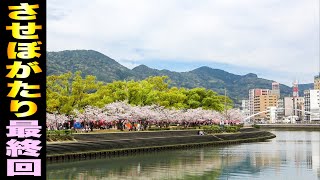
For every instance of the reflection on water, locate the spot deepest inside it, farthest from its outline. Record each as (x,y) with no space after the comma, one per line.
(291,155)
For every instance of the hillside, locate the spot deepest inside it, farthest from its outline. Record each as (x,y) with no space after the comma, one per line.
(89,62)
(106,69)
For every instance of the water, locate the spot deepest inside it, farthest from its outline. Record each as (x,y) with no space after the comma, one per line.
(291,155)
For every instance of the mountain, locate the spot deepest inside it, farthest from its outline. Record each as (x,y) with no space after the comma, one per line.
(89,62)
(106,69)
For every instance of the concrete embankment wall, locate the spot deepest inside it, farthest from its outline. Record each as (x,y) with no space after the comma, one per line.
(291,126)
(102,145)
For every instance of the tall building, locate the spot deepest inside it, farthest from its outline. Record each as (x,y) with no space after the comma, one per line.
(280,109)
(272,115)
(312,105)
(254,93)
(263,103)
(288,106)
(275,89)
(317,82)
(294,106)
(245,105)
(299,108)
(245,110)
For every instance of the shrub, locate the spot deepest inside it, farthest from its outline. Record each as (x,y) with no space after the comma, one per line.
(256,126)
(158,129)
(182,128)
(231,128)
(59,135)
(211,129)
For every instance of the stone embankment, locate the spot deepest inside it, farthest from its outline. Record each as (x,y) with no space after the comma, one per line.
(88,146)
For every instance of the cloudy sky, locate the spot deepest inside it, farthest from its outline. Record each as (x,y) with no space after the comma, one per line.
(276,39)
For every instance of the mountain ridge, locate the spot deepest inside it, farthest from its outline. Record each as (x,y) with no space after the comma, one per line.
(107,69)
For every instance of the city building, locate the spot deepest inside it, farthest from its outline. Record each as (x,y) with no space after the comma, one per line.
(280,110)
(245,110)
(272,115)
(262,103)
(275,89)
(245,105)
(254,93)
(261,100)
(288,106)
(294,106)
(312,105)
(317,82)
(299,108)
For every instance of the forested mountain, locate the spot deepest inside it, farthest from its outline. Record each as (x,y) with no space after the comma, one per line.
(106,69)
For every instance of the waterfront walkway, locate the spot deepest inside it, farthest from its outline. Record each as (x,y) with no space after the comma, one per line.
(113,142)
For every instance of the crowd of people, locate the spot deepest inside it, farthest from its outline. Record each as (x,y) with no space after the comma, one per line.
(124,124)
(122,116)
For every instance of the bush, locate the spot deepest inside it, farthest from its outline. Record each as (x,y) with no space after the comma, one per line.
(231,128)
(59,135)
(211,129)
(158,129)
(182,128)
(218,129)
(256,126)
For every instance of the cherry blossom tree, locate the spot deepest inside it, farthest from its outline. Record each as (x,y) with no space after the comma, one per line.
(120,113)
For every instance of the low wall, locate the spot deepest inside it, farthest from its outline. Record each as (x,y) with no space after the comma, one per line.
(291,126)
(142,142)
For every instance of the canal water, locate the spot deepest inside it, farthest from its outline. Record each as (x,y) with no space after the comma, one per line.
(291,155)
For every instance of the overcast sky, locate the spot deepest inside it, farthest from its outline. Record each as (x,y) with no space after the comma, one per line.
(276,39)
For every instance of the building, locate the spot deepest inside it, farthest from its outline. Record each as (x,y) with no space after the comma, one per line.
(245,105)
(262,103)
(254,93)
(312,105)
(294,106)
(280,109)
(317,82)
(288,106)
(272,115)
(245,110)
(275,89)
(299,108)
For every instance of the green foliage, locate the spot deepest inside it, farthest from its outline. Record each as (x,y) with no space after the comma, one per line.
(67,92)
(211,129)
(217,129)
(256,126)
(182,128)
(157,129)
(59,135)
(231,129)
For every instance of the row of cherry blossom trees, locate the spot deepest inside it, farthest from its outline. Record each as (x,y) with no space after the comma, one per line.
(121,112)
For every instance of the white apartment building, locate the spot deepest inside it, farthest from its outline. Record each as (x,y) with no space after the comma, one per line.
(245,110)
(312,104)
(294,106)
(272,115)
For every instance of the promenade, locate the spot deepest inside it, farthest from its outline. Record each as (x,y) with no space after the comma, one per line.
(89,146)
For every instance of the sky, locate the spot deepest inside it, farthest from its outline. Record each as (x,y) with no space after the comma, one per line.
(275,39)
